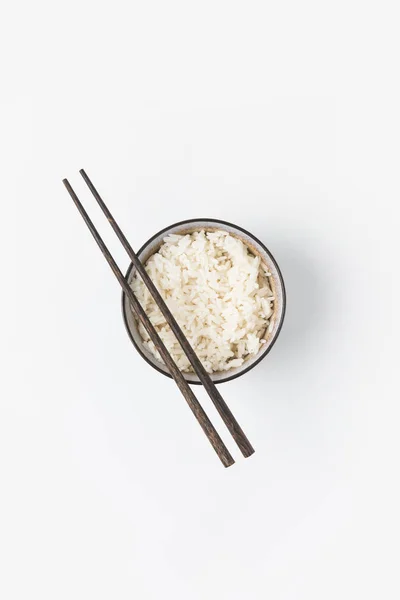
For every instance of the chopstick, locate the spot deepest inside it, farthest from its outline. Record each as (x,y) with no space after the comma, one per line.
(208,428)
(233,426)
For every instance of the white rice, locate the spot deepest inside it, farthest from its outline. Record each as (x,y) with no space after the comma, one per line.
(217,291)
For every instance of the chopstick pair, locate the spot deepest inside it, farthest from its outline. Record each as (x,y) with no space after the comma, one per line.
(220,404)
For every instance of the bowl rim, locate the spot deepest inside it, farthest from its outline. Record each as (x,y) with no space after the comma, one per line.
(250,235)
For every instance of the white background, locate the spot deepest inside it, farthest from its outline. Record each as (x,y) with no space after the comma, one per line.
(281,117)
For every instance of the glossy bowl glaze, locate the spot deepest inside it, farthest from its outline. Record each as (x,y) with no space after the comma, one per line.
(257,248)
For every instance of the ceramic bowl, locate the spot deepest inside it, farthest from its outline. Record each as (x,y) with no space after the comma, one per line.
(257,248)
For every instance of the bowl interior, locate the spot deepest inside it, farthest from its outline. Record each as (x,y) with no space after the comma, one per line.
(257,248)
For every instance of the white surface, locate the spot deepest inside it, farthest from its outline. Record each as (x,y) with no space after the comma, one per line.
(282,118)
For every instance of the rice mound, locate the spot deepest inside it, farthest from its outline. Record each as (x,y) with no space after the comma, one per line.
(217,291)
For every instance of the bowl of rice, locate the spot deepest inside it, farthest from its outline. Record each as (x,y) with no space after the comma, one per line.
(224,288)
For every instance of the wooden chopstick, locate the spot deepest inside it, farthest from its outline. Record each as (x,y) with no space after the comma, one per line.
(181,382)
(220,404)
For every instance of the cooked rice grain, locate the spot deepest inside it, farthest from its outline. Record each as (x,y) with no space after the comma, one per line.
(219,293)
